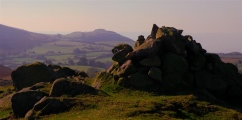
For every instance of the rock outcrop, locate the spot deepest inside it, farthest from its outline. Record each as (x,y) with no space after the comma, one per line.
(28,75)
(65,86)
(172,62)
(40,90)
(23,101)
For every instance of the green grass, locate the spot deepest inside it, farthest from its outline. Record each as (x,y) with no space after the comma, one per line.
(62,50)
(136,105)
(125,104)
(4,88)
(5,106)
(5,113)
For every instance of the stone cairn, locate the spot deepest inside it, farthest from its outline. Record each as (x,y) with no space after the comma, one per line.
(168,60)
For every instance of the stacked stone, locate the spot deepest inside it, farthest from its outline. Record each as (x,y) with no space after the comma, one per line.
(171,60)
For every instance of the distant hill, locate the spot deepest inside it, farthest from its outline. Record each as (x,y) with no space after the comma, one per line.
(98,35)
(234,53)
(5,72)
(14,40)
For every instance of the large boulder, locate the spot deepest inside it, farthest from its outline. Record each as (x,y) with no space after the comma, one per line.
(172,39)
(50,105)
(126,69)
(173,63)
(140,41)
(210,82)
(156,74)
(62,71)
(41,86)
(154,31)
(173,67)
(23,101)
(149,48)
(153,61)
(140,81)
(137,80)
(120,51)
(28,75)
(196,61)
(228,73)
(69,87)
(235,92)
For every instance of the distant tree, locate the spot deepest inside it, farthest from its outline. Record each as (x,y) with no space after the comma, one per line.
(92,63)
(48,61)
(76,51)
(71,62)
(59,63)
(82,61)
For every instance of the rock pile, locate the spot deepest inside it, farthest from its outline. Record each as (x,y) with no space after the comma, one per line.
(40,89)
(168,60)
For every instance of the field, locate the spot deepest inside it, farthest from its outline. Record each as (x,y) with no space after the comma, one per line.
(60,52)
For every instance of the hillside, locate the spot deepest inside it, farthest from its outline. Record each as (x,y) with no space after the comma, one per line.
(98,35)
(14,40)
(5,72)
(58,49)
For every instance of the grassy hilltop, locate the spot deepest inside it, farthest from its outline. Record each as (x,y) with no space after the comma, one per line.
(132,88)
(131,104)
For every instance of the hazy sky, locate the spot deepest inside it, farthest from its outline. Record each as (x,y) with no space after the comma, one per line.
(216,24)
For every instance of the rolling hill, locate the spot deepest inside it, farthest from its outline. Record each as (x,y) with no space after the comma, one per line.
(57,48)
(14,40)
(5,73)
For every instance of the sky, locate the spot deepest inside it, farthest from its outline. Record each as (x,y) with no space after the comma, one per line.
(216,24)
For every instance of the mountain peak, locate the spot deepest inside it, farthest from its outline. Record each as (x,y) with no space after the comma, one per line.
(99,30)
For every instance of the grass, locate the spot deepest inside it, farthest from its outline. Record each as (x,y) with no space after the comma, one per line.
(128,104)
(5,106)
(136,105)
(4,88)
(62,51)
(5,113)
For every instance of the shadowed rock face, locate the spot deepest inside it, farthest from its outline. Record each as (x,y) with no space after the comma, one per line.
(28,75)
(172,61)
(69,87)
(38,99)
(23,101)
(120,51)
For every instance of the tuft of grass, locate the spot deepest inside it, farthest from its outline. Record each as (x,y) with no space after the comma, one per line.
(5,113)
